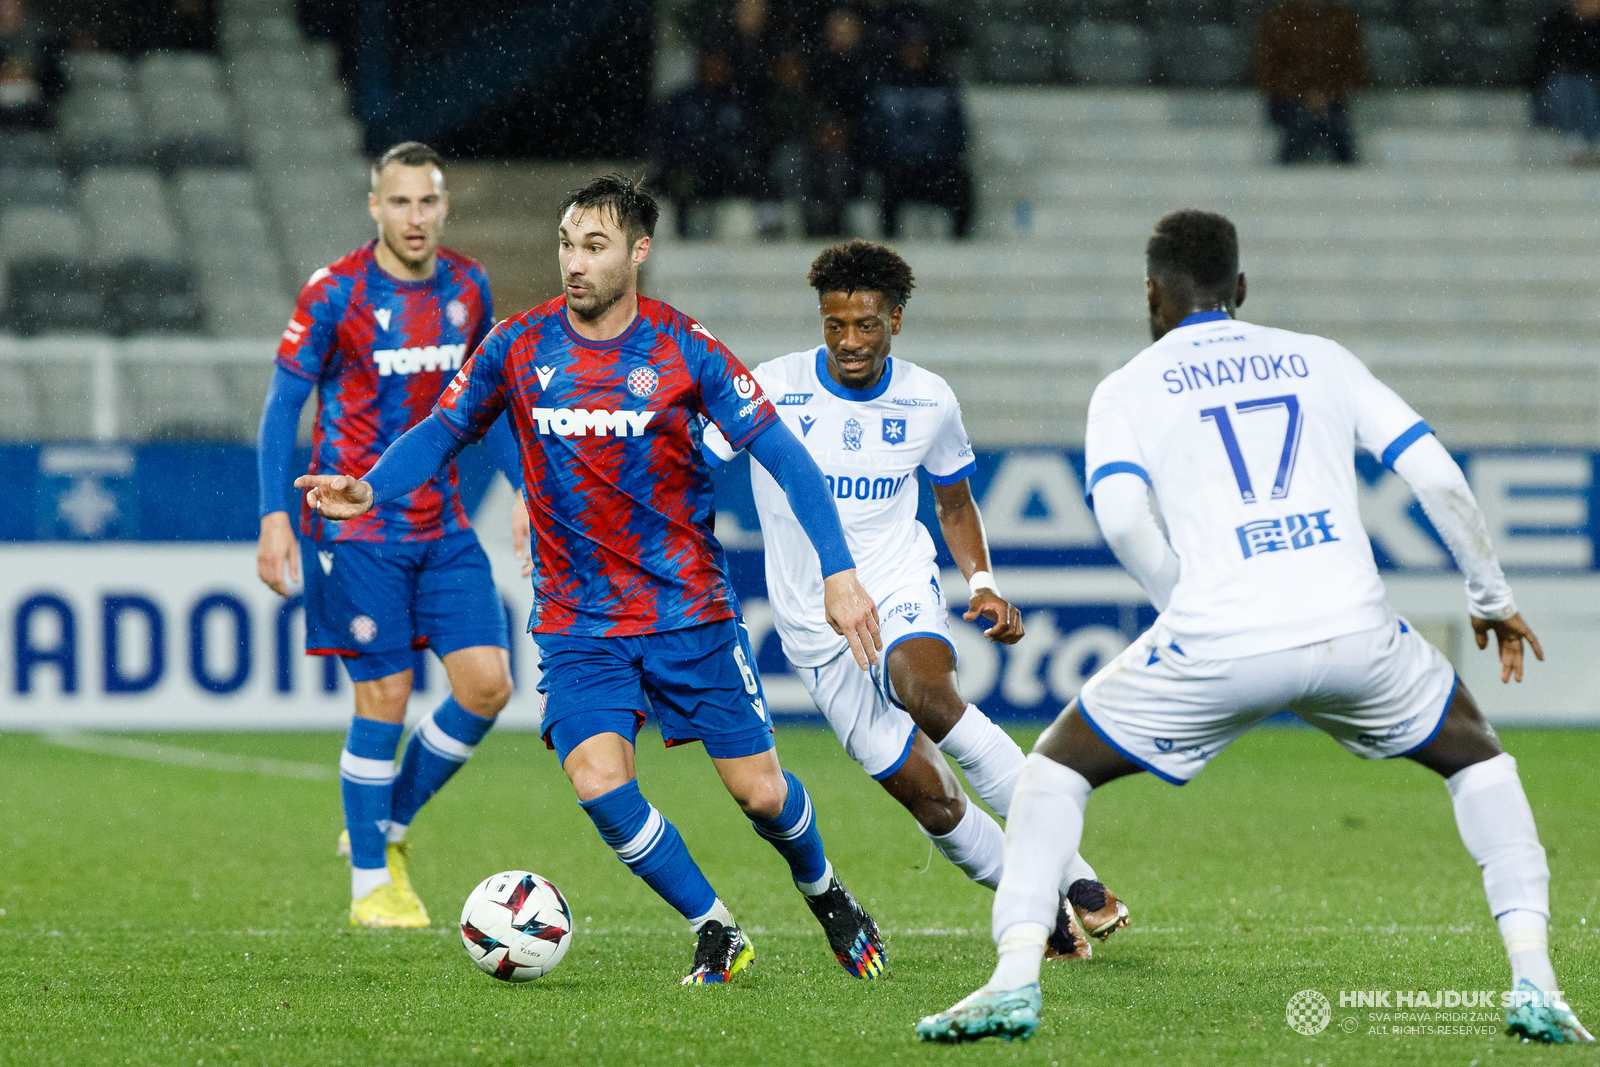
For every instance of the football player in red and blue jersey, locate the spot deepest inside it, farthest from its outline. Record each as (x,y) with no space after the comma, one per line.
(633,609)
(378,335)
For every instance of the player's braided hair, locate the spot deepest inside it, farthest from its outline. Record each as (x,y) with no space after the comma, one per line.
(407,154)
(634,209)
(864,266)
(1199,249)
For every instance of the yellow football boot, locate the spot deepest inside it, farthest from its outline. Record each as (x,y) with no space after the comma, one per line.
(394,857)
(389,906)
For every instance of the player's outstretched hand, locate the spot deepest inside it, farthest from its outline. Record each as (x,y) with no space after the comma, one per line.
(520,534)
(1007,628)
(1509,635)
(336,496)
(276,550)
(852,613)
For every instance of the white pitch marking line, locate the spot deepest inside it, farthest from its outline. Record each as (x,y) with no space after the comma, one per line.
(189,757)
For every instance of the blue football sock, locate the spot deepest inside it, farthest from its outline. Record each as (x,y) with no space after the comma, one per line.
(439,745)
(652,849)
(366,779)
(794,834)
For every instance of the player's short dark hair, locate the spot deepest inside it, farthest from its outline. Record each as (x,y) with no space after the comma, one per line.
(862,266)
(1199,249)
(407,154)
(634,209)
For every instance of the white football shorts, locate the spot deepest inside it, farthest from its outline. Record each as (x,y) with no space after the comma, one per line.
(871,724)
(1379,693)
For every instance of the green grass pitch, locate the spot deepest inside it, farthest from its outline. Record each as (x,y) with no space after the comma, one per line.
(159,914)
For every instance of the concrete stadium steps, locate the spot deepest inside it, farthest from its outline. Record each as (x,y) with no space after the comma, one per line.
(990,106)
(1032,292)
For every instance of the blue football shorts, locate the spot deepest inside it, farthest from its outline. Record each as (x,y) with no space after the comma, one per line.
(701,684)
(374,602)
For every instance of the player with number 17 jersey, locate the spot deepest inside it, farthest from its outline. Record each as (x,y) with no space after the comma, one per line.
(619,496)
(1245,430)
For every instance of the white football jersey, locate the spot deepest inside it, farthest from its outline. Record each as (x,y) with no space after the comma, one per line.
(1247,436)
(869,444)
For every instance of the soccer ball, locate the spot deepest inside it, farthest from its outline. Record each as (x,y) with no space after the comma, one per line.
(516,926)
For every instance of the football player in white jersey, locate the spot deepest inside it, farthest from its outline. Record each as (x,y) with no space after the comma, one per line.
(870,422)
(1269,599)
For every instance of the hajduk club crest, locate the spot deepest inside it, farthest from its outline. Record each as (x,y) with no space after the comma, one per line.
(642,382)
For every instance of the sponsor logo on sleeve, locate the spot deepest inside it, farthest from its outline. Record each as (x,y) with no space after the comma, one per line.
(294,334)
(452,392)
(745,386)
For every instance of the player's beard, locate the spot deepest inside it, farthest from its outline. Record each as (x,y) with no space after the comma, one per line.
(601,297)
(404,254)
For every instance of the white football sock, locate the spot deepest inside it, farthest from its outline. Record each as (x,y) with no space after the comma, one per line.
(1527,938)
(364,880)
(1042,836)
(977,845)
(987,756)
(1077,870)
(719,911)
(397,832)
(1021,954)
(1496,825)
(811,889)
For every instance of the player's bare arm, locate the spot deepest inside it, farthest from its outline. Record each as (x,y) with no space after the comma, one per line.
(962,526)
(278,553)
(336,496)
(852,614)
(1509,635)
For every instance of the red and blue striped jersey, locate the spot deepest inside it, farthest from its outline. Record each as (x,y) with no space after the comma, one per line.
(619,495)
(381,350)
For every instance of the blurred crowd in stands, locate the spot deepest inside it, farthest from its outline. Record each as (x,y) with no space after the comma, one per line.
(35,33)
(817,104)
(1310,55)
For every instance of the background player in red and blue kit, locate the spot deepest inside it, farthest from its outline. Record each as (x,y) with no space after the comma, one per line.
(633,608)
(378,334)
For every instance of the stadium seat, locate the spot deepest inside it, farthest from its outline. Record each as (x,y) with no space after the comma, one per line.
(50,284)
(39,186)
(176,401)
(60,397)
(97,71)
(1392,56)
(1186,12)
(188,115)
(233,253)
(1505,54)
(1109,53)
(1206,56)
(1017,53)
(101,127)
(138,252)
(29,148)
(19,414)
